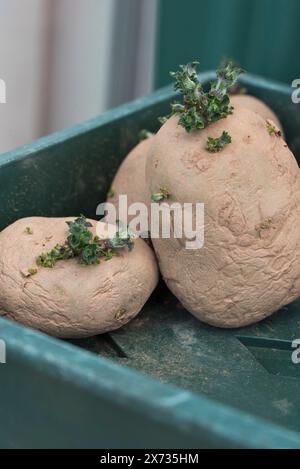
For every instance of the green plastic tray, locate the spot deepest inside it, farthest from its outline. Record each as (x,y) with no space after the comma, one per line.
(164,380)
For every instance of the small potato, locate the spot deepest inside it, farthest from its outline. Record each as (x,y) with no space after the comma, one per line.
(70,300)
(256,105)
(130,178)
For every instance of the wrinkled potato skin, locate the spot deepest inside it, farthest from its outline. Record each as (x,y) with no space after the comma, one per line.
(255,105)
(70,300)
(239,277)
(130,178)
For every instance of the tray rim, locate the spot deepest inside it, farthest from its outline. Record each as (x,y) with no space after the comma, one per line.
(191,413)
(160,95)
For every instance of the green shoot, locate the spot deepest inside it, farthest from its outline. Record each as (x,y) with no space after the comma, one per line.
(28,230)
(111,193)
(32,271)
(265,225)
(163,119)
(214,145)
(145,134)
(273,131)
(161,195)
(200,108)
(122,238)
(83,245)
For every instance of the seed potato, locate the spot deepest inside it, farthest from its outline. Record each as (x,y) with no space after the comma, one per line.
(250,263)
(70,300)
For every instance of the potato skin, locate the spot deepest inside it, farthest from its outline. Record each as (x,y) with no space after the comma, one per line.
(241,275)
(130,178)
(71,300)
(255,105)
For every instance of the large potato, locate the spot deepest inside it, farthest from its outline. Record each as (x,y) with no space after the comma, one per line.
(250,263)
(256,105)
(71,299)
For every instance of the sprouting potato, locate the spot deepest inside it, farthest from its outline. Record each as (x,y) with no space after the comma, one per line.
(240,167)
(70,299)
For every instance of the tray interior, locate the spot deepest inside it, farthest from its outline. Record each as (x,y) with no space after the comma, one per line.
(70,173)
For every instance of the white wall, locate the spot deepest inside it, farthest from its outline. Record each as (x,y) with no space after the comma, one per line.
(133,49)
(64,61)
(82,33)
(23,27)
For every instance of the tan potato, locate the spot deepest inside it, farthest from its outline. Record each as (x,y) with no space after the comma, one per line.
(256,105)
(130,178)
(250,263)
(70,300)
